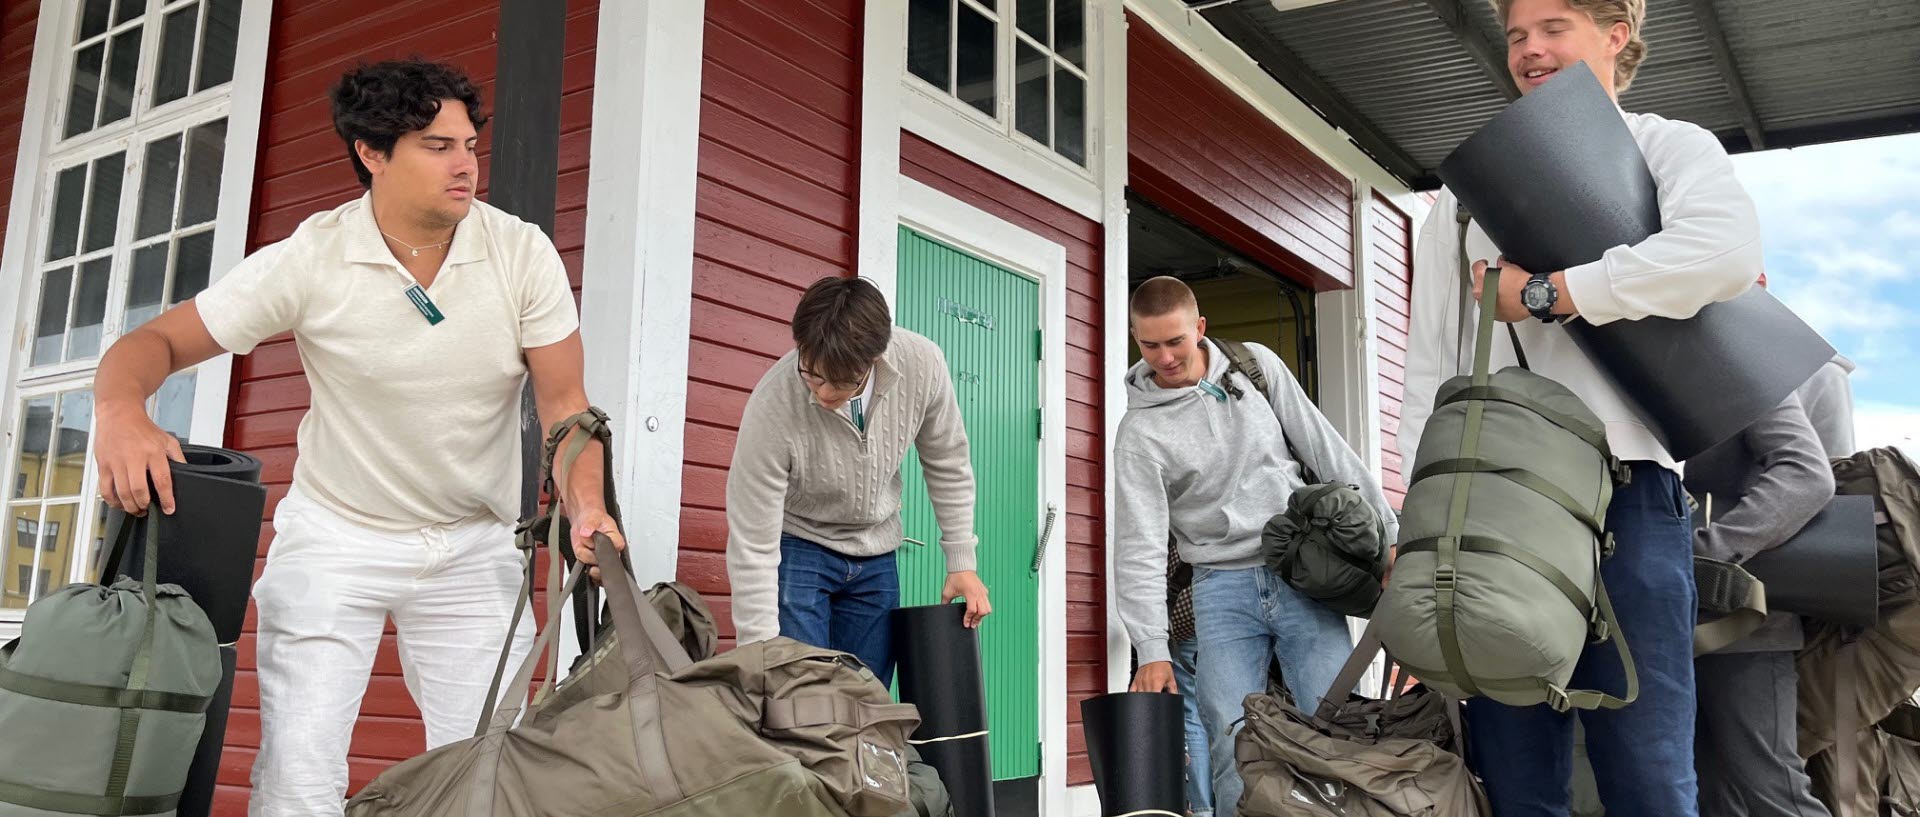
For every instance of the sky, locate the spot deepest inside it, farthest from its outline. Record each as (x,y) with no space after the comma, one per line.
(1841,226)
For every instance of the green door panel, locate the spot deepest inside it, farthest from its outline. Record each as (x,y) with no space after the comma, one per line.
(987,321)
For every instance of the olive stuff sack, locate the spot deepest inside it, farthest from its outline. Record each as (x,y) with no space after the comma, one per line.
(1329,543)
(1496,589)
(1331,546)
(774,727)
(1851,677)
(104,695)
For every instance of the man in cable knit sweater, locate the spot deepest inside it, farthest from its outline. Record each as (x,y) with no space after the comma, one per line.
(813,496)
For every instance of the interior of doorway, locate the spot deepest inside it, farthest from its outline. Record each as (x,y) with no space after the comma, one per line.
(1240,298)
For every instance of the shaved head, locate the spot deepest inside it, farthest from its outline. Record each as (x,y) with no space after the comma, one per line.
(1163,295)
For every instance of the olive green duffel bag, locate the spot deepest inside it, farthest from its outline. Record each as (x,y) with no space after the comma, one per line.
(104,695)
(1496,589)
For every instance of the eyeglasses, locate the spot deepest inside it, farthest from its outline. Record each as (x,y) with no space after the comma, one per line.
(816,381)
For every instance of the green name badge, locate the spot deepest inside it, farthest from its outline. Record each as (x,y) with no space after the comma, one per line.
(425,304)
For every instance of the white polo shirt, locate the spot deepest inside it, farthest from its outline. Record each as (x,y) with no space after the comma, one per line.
(411,424)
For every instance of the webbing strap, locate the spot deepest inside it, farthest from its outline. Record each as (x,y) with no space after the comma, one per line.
(1448,551)
(40,799)
(1730,590)
(1590,435)
(1485,544)
(1467,463)
(68,692)
(819,710)
(129,732)
(1594,699)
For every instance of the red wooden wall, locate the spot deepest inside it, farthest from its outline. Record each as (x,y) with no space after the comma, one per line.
(1392,259)
(302,169)
(936,167)
(774,212)
(18,19)
(1198,149)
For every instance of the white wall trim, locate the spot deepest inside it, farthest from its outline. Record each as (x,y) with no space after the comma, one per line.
(883,63)
(977,232)
(1192,34)
(637,281)
(1083,801)
(1111,19)
(16,258)
(213,379)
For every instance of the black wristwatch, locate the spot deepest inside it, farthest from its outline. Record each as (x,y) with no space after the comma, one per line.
(1539,295)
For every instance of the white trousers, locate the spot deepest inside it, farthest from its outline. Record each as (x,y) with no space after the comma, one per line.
(323,601)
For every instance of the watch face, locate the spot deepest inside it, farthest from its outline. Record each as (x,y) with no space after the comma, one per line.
(1535,295)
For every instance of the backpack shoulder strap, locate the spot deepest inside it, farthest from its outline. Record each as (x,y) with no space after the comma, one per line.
(1240,359)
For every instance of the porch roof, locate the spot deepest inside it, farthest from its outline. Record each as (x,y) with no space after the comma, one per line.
(1409,79)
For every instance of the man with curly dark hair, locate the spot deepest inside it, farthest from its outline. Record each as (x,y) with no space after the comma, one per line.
(418,312)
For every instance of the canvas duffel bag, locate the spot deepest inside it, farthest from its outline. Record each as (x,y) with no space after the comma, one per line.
(104,695)
(1496,588)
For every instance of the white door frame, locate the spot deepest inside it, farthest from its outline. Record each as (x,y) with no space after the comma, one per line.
(992,239)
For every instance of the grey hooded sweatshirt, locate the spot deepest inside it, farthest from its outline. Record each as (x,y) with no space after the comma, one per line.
(1211,469)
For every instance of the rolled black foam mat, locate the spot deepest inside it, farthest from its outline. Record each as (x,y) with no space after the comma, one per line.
(1556,180)
(939,671)
(196,800)
(210,539)
(1135,743)
(1830,570)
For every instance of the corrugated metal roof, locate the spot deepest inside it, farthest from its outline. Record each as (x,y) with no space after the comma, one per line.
(1407,89)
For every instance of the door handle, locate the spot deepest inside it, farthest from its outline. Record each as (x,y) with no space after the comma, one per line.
(1040,549)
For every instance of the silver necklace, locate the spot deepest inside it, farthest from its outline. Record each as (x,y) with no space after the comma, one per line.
(416,250)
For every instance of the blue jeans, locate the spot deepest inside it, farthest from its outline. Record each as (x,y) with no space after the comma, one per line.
(1245,619)
(1199,776)
(840,602)
(1642,754)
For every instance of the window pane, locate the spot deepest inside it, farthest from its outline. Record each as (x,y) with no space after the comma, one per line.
(1030,93)
(130,9)
(976,58)
(176,55)
(1070,30)
(1069,115)
(21,548)
(53,317)
(70,192)
(103,207)
(173,404)
(70,447)
(216,46)
(85,90)
(161,175)
(930,41)
(148,285)
(56,542)
(30,470)
(93,21)
(200,190)
(191,265)
(1032,15)
(121,68)
(89,309)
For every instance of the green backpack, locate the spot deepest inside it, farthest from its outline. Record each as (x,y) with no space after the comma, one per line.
(1496,590)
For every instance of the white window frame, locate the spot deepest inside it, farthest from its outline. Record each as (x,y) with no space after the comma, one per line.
(993,142)
(42,148)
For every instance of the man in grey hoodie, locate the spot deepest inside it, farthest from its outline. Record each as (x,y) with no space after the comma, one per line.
(1202,456)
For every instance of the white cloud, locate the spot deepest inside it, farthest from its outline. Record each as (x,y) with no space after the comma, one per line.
(1878,424)
(1901,224)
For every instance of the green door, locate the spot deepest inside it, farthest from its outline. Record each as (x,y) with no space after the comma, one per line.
(987,321)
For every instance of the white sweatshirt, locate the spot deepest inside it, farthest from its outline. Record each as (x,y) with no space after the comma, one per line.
(1707,250)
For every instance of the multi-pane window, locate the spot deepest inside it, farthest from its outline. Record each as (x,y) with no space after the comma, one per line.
(125,229)
(1022,63)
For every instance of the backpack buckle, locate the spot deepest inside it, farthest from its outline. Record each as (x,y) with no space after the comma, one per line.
(1622,472)
(1607,546)
(1557,699)
(1598,629)
(1444,578)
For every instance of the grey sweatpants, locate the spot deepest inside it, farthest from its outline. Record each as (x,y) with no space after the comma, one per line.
(1744,740)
